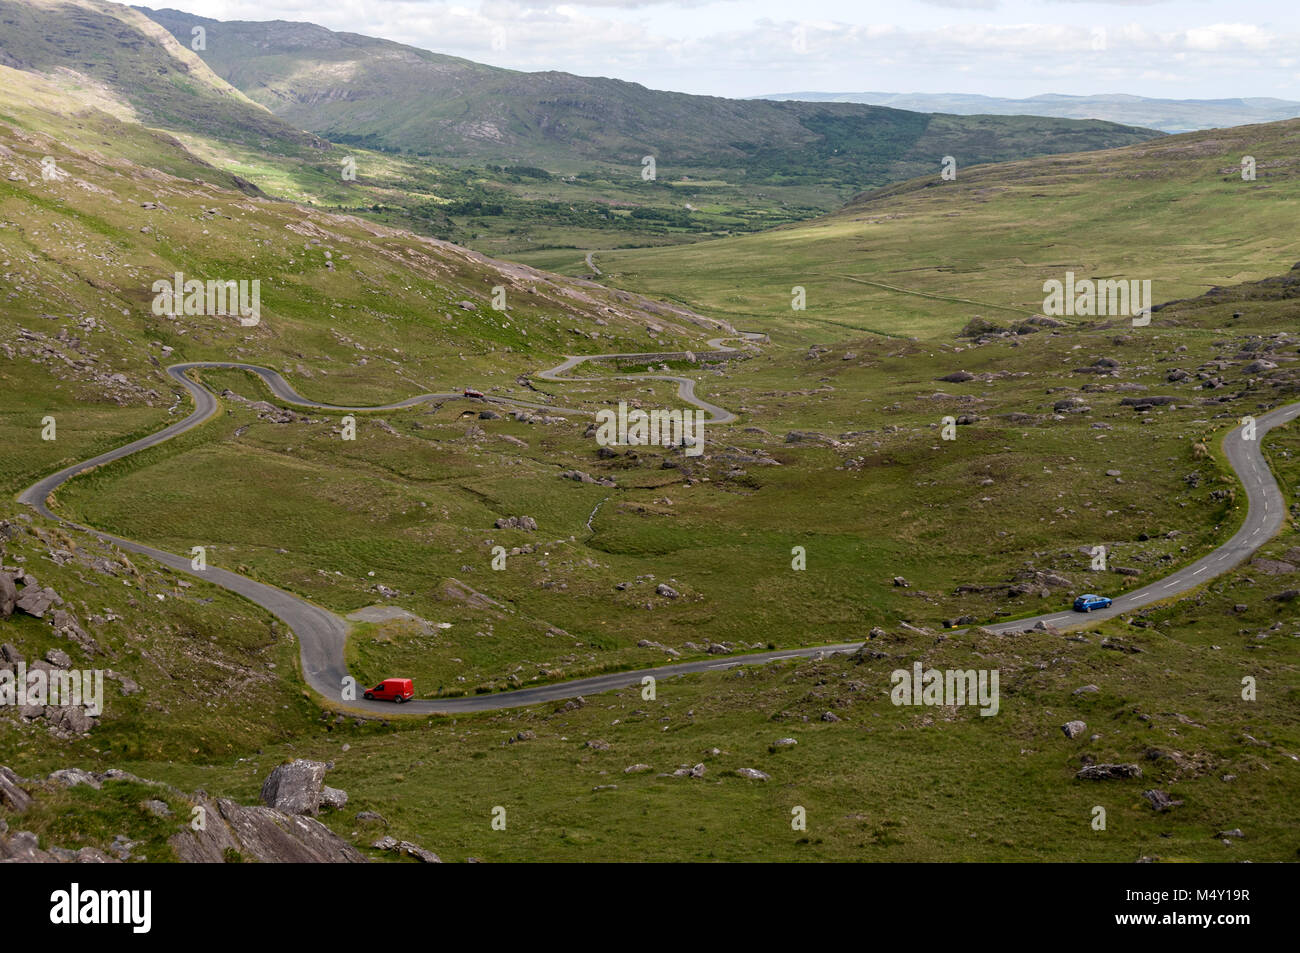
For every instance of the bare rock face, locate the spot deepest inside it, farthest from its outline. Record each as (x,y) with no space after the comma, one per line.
(12,794)
(295,788)
(35,601)
(23,848)
(8,595)
(234,832)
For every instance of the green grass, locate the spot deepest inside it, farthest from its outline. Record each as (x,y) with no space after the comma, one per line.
(413,500)
(922,258)
(417,508)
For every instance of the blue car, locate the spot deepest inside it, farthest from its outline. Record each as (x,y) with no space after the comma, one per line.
(1087,603)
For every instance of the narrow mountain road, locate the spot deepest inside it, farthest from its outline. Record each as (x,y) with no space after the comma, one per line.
(322,634)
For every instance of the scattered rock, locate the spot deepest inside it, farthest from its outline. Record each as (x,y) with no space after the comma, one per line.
(71,777)
(333,798)
(407,849)
(1108,772)
(1160,800)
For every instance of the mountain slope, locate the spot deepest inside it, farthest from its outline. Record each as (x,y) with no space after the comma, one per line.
(139,68)
(387,312)
(386,95)
(924,256)
(1167,115)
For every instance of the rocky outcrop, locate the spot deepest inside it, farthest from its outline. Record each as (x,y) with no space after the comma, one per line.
(333,798)
(1073,729)
(234,832)
(1160,800)
(407,849)
(581,477)
(296,787)
(1108,772)
(36,601)
(8,595)
(12,794)
(210,830)
(24,848)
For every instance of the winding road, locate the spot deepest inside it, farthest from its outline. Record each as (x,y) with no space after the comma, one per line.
(322,634)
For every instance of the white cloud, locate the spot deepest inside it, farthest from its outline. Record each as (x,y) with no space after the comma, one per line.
(749,47)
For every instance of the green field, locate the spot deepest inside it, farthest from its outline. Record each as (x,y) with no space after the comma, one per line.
(840,448)
(921,258)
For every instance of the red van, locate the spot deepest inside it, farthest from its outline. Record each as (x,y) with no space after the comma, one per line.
(477,394)
(392,689)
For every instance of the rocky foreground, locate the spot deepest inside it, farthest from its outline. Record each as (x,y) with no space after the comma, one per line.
(283,829)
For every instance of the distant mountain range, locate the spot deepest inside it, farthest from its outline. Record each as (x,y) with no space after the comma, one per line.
(1167,115)
(378,94)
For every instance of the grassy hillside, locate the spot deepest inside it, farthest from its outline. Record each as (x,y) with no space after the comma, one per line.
(415,507)
(380,94)
(549,161)
(921,258)
(88,43)
(371,309)
(838,449)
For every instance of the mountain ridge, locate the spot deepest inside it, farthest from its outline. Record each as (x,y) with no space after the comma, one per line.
(1167,115)
(381,94)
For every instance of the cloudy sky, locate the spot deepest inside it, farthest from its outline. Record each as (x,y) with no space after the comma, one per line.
(1185,49)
